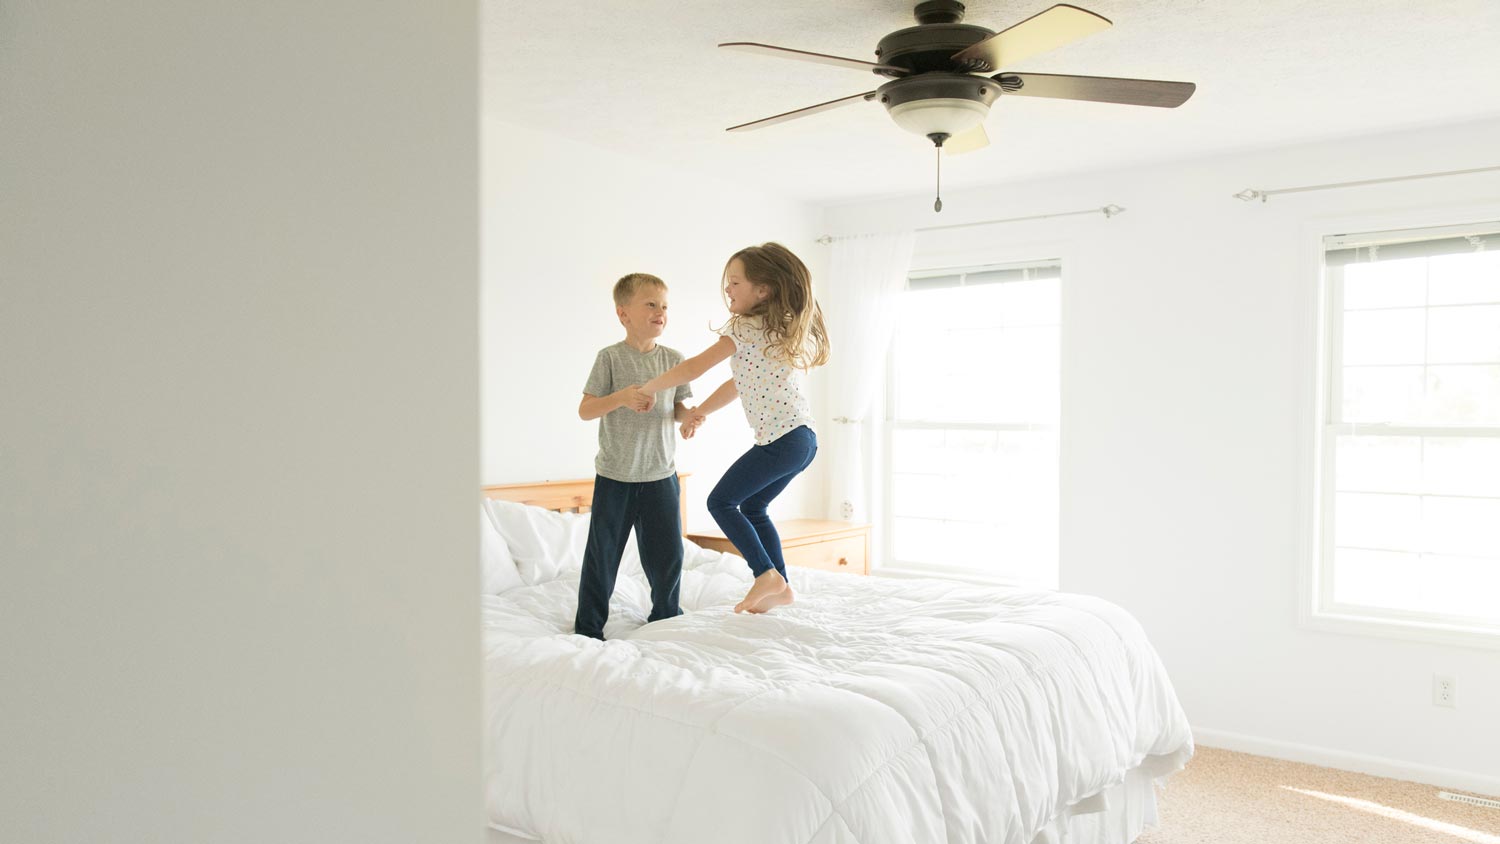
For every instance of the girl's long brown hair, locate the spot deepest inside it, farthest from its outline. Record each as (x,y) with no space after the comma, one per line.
(791,316)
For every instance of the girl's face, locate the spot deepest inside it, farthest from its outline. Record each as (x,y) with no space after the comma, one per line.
(744,295)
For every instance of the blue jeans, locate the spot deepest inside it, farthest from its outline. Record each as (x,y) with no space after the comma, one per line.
(650,508)
(738,502)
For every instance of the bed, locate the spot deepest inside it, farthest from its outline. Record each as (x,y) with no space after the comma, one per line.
(872,710)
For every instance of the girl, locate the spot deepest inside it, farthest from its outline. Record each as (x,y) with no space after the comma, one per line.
(775,334)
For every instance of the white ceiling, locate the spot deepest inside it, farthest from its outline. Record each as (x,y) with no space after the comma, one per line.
(644,77)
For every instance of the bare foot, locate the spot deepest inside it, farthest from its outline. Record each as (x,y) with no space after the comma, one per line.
(778,599)
(766,585)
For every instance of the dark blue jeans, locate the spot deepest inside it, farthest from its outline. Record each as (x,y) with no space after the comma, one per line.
(651,508)
(738,502)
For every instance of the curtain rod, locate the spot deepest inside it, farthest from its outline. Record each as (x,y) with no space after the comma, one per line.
(1108,211)
(1251,194)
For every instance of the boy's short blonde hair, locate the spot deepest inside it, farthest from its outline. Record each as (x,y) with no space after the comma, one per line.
(626,287)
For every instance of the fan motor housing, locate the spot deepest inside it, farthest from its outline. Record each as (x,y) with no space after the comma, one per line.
(930,86)
(930,47)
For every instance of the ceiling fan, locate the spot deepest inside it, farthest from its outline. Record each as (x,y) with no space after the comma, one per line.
(940,85)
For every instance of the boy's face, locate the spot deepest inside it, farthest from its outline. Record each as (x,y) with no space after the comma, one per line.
(646,313)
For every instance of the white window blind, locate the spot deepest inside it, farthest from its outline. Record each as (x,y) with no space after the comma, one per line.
(971,424)
(1409,468)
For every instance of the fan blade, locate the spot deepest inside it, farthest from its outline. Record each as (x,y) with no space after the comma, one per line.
(1059,25)
(1099,89)
(819,58)
(969,141)
(801,112)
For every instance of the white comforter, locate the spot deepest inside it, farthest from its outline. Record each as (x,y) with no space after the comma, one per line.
(871,710)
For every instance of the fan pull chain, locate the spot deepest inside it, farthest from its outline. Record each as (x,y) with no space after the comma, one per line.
(937,204)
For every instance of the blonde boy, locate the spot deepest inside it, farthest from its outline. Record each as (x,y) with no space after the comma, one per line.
(636,484)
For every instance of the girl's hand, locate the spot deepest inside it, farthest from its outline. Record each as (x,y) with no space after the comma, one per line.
(690,425)
(633,398)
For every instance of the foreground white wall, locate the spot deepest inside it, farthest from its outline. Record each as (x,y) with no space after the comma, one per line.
(1185,423)
(562,221)
(238,422)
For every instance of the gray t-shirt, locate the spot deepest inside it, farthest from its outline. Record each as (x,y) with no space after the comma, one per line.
(635,447)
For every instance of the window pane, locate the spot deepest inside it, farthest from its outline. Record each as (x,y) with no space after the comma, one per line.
(954,362)
(1024,376)
(1386,284)
(1379,464)
(919,495)
(1030,302)
(1464,526)
(1384,337)
(1383,394)
(999,478)
(1450,586)
(1024,483)
(1463,395)
(1461,466)
(1464,335)
(1389,522)
(918,539)
(1462,586)
(1460,279)
(915,450)
(1376,578)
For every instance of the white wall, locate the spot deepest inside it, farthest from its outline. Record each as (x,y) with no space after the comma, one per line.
(238,429)
(1186,418)
(563,221)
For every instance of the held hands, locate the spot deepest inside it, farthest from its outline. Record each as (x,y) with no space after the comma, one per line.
(690,425)
(637,400)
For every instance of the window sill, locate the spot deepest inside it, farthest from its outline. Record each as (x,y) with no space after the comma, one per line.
(1351,622)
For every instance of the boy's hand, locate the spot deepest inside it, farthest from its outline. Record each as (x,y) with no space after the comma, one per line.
(691,423)
(631,397)
(640,401)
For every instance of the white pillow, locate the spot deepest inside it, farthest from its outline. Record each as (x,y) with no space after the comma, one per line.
(544,543)
(497,568)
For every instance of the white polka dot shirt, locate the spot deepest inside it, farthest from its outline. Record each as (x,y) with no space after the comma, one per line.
(771,391)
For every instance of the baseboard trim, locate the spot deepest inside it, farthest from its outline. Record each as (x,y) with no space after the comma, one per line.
(1327,757)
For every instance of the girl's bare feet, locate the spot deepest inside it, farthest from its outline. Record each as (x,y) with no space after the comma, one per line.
(768,585)
(777,599)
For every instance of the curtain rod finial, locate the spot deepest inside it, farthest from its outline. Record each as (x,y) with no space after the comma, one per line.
(1251,194)
(1111,210)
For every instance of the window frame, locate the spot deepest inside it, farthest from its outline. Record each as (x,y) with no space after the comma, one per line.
(890,425)
(1324,340)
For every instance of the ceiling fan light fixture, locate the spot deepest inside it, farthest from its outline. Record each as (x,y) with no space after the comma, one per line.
(939,115)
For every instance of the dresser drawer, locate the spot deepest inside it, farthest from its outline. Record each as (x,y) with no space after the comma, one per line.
(846,554)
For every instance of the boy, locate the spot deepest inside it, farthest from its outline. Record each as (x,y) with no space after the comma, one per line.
(637,479)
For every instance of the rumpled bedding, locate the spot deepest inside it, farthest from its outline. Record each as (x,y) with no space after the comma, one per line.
(871,710)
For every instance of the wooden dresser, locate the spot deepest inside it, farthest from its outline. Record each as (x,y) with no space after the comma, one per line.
(831,546)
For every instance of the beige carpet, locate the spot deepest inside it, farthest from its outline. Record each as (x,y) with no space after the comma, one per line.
(1224,797)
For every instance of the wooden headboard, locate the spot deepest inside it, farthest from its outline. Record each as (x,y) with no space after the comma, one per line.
(576,496)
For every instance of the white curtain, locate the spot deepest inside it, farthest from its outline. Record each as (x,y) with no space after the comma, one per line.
(865,278)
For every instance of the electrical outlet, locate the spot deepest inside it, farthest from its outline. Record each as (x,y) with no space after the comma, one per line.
(1442,691)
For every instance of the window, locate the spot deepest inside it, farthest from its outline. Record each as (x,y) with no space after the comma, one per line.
(1408,527)
(971,424)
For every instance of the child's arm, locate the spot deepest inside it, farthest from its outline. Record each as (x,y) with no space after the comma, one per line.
(593,407)
(695,417)
(692,368)
(726,393)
